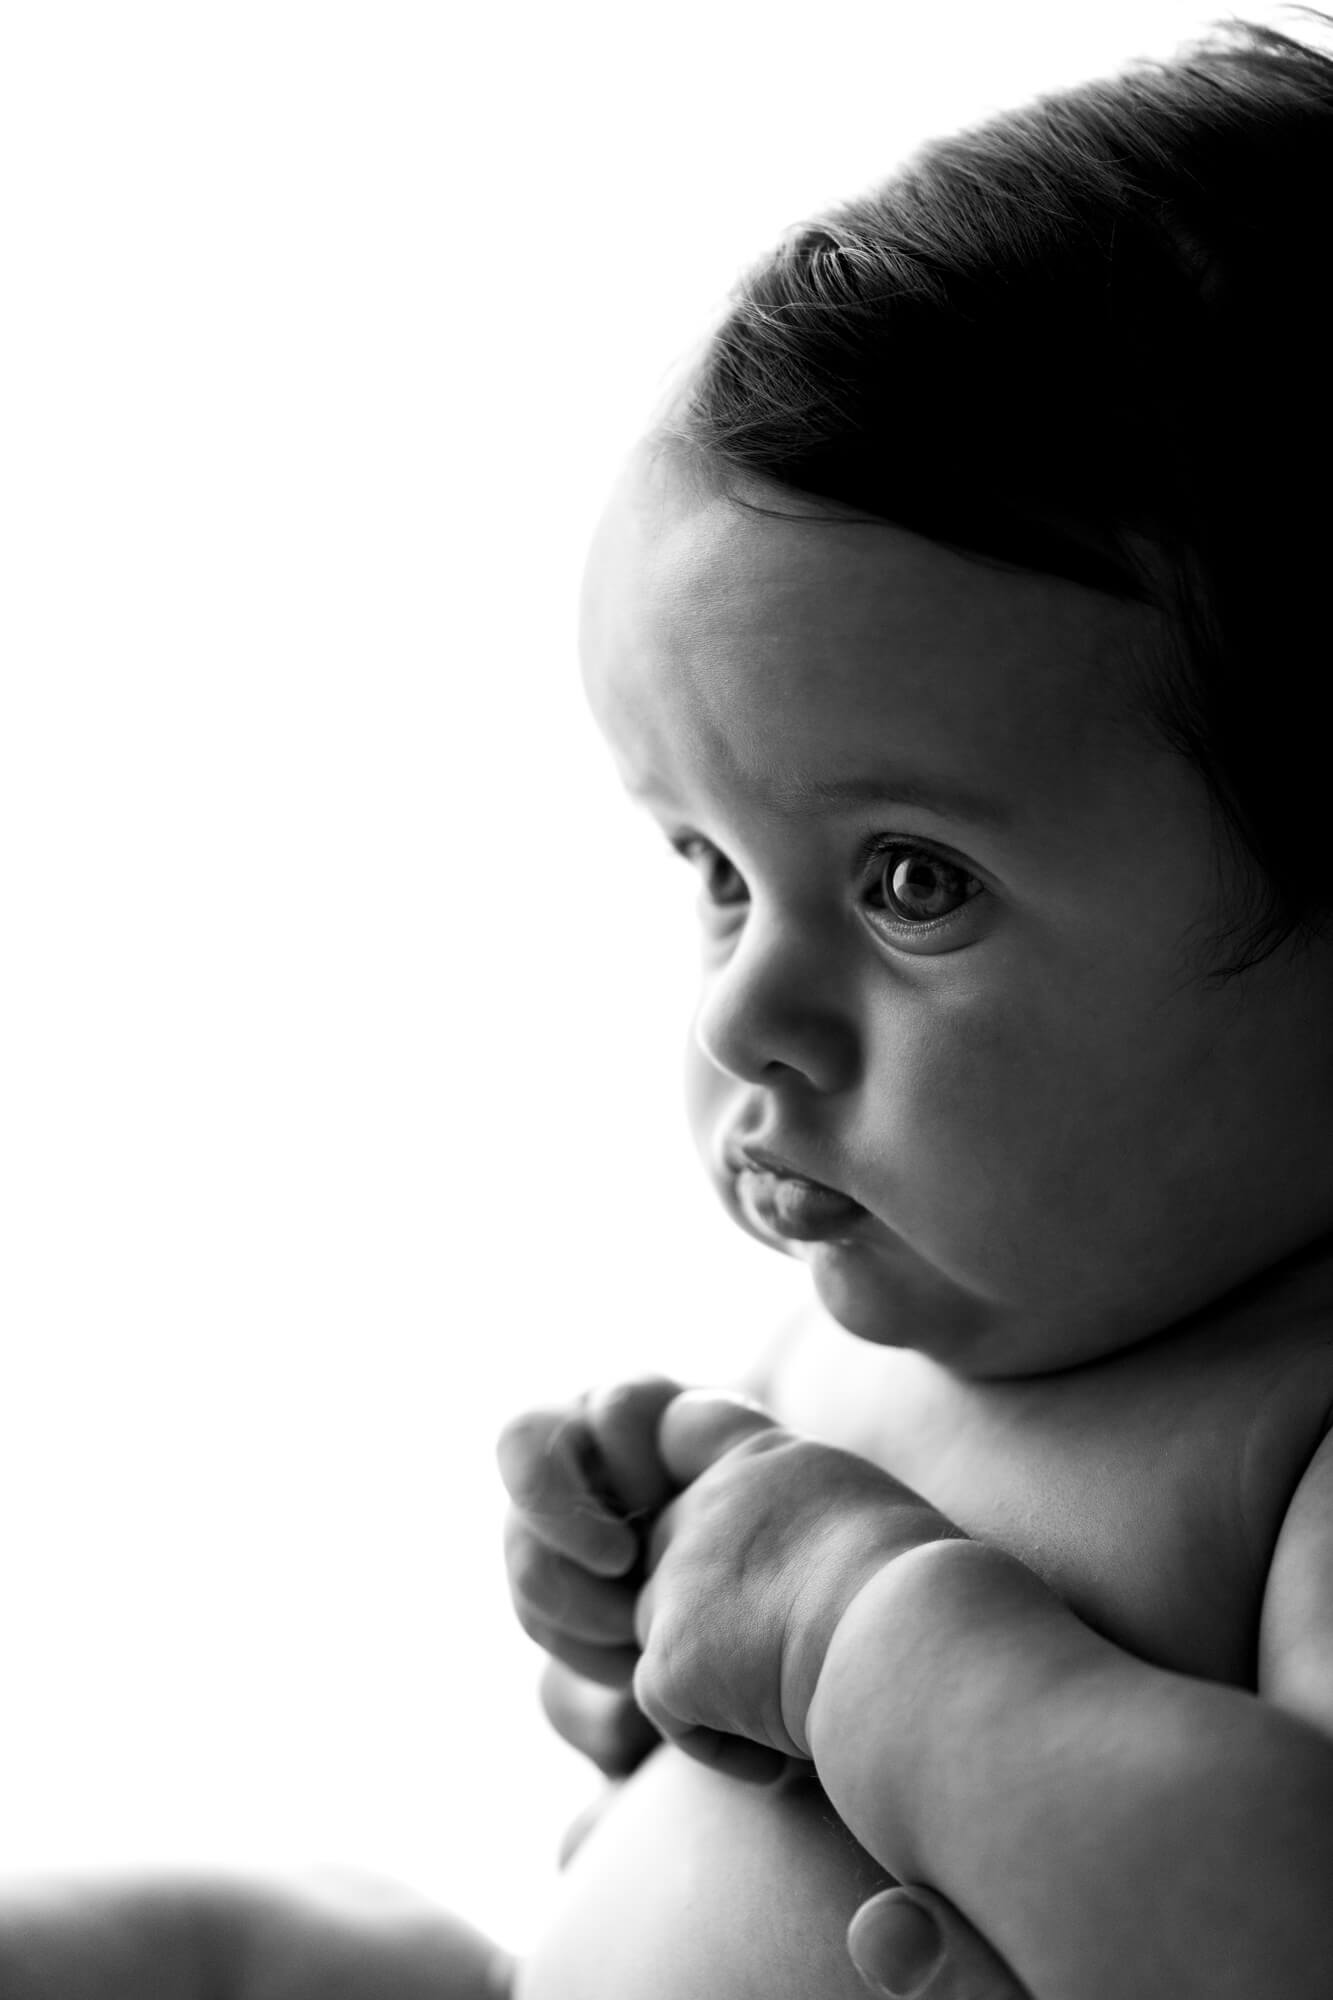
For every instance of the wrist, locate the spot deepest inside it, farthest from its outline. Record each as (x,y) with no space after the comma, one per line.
(861,1692)
(918,1672)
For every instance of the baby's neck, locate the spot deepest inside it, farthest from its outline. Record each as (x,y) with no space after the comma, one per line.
(1296,1289)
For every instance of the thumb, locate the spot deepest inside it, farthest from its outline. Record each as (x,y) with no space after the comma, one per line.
(913,1945)
(700,1424)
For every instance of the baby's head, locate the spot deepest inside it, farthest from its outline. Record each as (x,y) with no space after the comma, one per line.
(957,631)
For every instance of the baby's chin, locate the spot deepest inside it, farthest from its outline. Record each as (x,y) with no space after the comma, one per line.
(893,1300)
(897,1301)
(880,1290)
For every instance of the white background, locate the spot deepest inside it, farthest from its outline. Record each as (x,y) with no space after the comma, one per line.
(341,998)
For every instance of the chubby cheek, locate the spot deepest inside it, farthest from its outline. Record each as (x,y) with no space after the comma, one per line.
(981,1116)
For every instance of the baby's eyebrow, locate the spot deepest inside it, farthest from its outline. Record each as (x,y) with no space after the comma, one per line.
(796,795)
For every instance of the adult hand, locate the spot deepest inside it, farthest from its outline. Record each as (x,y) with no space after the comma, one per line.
(911,1944)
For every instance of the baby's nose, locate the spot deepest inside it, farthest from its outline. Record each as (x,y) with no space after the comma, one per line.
(774,1006)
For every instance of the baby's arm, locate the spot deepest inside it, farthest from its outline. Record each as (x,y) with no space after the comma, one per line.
(1114,1828)
(212,1940)
(571,1473)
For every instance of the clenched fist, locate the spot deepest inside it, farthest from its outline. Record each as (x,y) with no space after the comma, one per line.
(750,1569)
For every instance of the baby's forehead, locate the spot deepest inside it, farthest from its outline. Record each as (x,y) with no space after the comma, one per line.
(667,533)
(698,590)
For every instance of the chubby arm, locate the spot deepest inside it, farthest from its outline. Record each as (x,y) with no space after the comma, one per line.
(177,1939)
(1113,1828)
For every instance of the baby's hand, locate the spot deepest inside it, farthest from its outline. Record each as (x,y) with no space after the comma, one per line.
(750,1570)
(604,1724)
(585,1480)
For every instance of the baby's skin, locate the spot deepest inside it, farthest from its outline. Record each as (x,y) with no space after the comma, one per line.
(1148,1490)
(1020,1584)
(321,1936)
(1042,1498)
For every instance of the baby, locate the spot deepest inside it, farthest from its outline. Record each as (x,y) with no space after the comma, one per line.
(961,628)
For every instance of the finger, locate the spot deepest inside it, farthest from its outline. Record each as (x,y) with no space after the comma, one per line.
(623,1421)
(562,1593)
(701,1424)
(604,1724)
(543,1457)
(609,1666)
(913,1944)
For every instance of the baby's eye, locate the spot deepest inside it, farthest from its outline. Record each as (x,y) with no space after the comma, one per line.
(722,885)
(915,886)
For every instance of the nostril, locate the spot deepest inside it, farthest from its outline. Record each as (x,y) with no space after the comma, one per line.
(776,1007)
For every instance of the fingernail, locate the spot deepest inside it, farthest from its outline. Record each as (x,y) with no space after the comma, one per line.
(904,1948)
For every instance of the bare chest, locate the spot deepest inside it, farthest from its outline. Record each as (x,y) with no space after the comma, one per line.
(1147,1491)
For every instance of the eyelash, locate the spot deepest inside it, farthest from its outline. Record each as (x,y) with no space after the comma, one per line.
(875,852)
(692,847)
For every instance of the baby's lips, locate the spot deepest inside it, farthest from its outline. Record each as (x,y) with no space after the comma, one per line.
(785,1205)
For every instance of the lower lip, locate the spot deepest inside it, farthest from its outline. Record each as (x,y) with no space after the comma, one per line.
(800,1211)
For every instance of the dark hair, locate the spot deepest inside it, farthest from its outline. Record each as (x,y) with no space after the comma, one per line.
(1088,338)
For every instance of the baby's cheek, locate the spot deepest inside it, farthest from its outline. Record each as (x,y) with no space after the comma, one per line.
(1012,1155)
(707,1093)
(962,1101)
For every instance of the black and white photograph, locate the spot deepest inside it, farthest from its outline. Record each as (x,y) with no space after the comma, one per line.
(666,1001)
